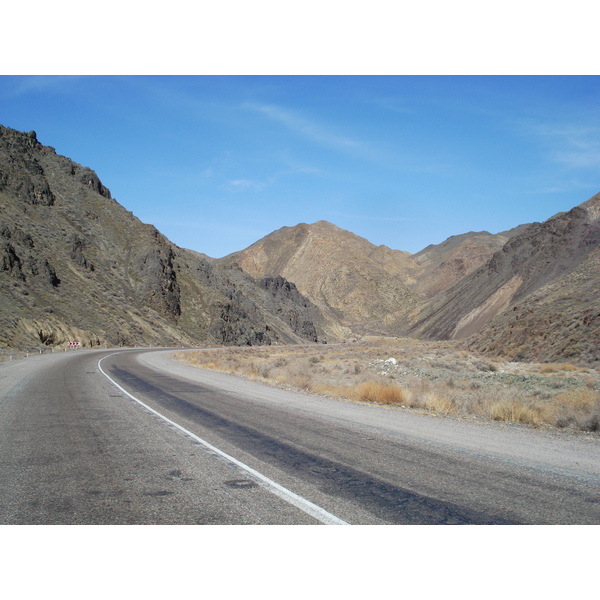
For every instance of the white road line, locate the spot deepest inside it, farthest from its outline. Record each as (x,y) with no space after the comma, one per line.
(298,501)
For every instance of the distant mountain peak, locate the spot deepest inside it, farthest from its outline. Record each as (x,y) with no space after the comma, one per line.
(76,265)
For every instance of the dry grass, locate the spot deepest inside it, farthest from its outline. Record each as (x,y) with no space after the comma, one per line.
(516,411)
(435,377)
(578,408)
(559,368)
(373,391)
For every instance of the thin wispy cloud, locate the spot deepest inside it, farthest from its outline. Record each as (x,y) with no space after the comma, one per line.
(244,185)
(574,146)
(367,217)
(308,128)
(395,156)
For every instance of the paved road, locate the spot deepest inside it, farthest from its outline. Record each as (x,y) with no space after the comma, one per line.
(133,437)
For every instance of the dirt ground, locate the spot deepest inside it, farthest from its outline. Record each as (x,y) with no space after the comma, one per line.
(436,377)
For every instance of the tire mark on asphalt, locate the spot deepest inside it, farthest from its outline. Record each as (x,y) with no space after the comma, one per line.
(303,504)
(385,500)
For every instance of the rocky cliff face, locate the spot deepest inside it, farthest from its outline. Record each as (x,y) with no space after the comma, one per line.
(76,266)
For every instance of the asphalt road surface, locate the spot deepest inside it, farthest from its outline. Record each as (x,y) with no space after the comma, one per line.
(133,437)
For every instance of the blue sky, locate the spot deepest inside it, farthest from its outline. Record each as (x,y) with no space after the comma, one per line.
(217,162)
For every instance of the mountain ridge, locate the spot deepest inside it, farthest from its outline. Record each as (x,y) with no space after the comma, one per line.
(558,254)
(74,263)
(345,275)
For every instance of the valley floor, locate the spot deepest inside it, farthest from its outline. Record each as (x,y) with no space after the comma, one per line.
(435,377)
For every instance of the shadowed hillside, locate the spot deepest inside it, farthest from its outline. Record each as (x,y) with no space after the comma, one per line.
(544,279)
(76,266)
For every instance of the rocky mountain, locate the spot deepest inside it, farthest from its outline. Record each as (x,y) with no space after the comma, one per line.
(365,288)
(77,266)
(446,263)
(560,321)
(477,286)
(541,286)
(356,285)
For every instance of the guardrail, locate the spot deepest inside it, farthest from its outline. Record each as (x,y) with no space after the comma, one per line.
(7,354)
(15,354)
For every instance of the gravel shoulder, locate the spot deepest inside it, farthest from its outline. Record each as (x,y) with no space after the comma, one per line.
(568,453)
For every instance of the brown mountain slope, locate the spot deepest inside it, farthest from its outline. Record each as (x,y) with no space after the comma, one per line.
(353,282)
(541,254)
(560,321)
(366,288)
(76,266)
(447,263)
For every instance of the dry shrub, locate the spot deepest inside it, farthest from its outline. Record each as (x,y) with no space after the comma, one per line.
(326,389)
(373,391)
(580,408)
(476,388)
(515,411)
(409,399)
(263,370)
(212,365)
(437,403)
(302,381)
(580,399)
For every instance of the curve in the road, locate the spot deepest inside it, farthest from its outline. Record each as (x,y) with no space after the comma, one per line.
(389,502)
(302,503)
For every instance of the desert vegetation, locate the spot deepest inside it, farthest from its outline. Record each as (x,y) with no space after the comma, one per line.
(434,377)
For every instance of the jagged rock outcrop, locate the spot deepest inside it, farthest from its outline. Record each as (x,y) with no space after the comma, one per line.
(300,314)
(75,265)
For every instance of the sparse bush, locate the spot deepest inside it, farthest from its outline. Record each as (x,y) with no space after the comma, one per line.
(517,412)
(592,423)
(579,408)
(437,403)
(302,381)
(372,391)
(521,393)
(263,371)
(486,367)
